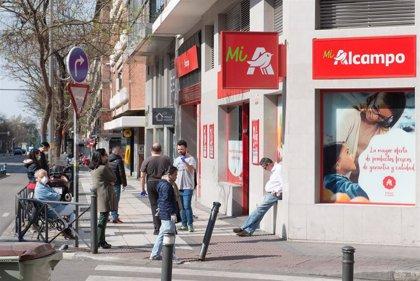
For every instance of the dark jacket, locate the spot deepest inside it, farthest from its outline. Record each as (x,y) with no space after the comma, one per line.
(116,164)
(31,168)
(166,200)
(44,162)
(102,180)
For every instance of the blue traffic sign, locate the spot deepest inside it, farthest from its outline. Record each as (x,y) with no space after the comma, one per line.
(77,64)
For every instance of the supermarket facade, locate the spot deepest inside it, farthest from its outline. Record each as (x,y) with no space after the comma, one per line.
(259,78)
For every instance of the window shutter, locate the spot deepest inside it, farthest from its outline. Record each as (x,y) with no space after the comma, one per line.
(278,16)
(237,18)
(365,13)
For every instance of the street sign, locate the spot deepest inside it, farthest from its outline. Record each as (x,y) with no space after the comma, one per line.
(78,93)
(163,116)
(77,64)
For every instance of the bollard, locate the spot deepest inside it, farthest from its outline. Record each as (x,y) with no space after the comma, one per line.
(348,263)
(167,256)
(93,223)
(209,230)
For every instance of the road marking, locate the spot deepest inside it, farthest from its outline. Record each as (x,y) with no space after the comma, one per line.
(208,273)
(118,278)
(5,215)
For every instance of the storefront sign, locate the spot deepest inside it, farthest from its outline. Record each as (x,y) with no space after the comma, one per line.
(204,141)
(361,166)
(255,142)
(163,116)
(367,57)
(250,60)
(211,141)
(187,62)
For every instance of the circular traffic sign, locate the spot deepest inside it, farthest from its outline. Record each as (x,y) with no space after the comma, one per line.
(77,64)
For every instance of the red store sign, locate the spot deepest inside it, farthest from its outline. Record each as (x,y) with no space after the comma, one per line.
(364,57)
(255,142)
(250,60)
(211,141)
(187,61)
(204,141)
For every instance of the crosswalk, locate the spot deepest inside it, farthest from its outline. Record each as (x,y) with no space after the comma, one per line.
(126,273)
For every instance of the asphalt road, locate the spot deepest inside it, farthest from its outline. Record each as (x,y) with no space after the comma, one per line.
(9,185)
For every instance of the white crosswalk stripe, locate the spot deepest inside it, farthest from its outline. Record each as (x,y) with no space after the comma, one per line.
(194,273)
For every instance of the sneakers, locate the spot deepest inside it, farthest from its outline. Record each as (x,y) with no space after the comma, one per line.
(155,258)
(182,228)
(190,228)
(237,229)
(117,221)
(243,233)
(105,245)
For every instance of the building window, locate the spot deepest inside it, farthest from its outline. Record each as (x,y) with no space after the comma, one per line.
(119,81)
(237,18)
(368,147)
(209,39)
(364,13)
(278,16)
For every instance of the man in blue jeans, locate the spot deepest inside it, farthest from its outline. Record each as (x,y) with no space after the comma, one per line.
(116,163)
(274,188)
(185,181)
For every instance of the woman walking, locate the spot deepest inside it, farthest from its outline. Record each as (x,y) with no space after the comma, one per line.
(103,180)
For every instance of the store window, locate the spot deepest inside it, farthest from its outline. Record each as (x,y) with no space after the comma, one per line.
(364,13)
(234,144)
(368,147)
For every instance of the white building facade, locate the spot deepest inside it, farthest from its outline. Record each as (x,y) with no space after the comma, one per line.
(229,130)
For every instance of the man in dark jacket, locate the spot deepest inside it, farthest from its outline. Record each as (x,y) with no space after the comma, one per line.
(44,148)
(116,163)
(167,210)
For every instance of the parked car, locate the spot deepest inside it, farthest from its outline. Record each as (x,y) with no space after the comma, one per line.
(17,151)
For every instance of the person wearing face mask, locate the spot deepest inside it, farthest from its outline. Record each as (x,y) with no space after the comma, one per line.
(103,180)
(44,192)
(274,189)
(44,148)
(32,164)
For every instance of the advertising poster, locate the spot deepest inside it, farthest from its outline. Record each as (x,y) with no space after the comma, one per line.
(235,161)
(204,141)
(368,153)
(211,141)
(255,142)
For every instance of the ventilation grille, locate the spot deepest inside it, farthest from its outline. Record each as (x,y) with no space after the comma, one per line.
(237,18)
(278,16)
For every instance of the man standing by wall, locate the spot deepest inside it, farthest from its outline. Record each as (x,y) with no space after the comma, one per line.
(274,189)
(116,164)
(152,170)
(186,166)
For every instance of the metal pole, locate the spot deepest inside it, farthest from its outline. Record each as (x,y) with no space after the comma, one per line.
(209,230)
(51,124)
(75,176)
(348,263)
(167,256)
(93,223)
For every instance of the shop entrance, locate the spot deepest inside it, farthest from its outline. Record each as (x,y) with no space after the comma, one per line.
(237,132)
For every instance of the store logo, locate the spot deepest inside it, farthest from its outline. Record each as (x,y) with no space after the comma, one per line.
(186,63)
(389,182)
(348,58)
(260,59)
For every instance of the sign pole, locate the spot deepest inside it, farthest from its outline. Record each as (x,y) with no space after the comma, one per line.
(75,176)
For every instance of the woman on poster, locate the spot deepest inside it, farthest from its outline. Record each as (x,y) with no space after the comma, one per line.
(358,126)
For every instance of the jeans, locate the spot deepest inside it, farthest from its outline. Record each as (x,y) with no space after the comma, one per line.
(103,217)
(186,212)
(167,226)
(254,219)
(117,190)
(153,197)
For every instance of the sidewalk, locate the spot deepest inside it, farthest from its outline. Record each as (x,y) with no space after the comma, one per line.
(262,253)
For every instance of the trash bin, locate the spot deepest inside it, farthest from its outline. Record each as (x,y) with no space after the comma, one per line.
(27,261)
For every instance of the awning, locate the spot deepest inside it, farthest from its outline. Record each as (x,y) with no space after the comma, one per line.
(126,122)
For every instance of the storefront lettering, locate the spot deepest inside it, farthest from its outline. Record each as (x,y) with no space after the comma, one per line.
(236,55)
(348,58)
(386,159)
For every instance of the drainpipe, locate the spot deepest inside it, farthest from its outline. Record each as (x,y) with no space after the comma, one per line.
(177,125)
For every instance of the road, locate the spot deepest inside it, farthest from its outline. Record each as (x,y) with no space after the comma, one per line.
(9,185)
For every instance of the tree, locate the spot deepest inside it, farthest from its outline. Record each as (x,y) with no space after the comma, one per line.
(24,43)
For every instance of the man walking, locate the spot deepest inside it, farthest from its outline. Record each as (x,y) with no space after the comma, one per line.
(186,166)
(274,188)
(152,170)
(116,164)
(44,148)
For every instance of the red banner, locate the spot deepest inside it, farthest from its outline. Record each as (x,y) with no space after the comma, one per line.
(255,142)
(366,57)
(204,141)
(187,62)
(211,141)
(250,60)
